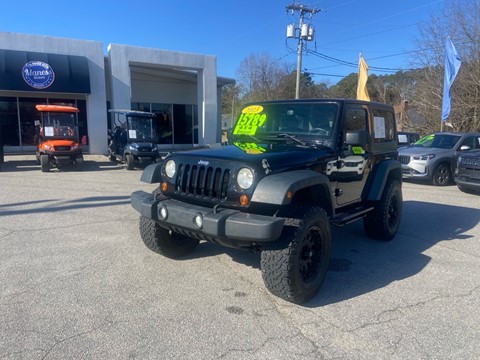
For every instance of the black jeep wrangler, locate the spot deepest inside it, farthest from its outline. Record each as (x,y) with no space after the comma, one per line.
(291,170)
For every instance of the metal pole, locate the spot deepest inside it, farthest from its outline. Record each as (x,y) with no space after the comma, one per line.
(299,57)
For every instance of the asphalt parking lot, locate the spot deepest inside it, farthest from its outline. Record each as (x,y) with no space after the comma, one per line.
(76,281)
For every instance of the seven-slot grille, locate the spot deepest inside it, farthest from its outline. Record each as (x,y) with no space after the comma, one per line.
(470,161)
(200,180)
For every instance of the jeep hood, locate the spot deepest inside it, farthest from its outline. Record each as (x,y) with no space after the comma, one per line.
(280,157)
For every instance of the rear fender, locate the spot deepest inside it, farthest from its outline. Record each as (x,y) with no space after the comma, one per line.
(390,169)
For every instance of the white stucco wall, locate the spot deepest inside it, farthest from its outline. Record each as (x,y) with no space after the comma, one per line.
(93,51)
(122,56)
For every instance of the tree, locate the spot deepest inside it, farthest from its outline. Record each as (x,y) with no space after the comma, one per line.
(459,19)
(260,76)
(230,99)
(345,88)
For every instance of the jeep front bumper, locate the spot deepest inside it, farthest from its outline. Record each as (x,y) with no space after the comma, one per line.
(224,226)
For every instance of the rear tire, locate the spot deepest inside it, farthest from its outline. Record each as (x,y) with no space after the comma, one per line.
(45,163)
(129,162)
(159,240)
(79,163)
(111,155)
(383,221)
(296,272)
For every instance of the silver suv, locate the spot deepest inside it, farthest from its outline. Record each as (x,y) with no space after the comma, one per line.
(434,156)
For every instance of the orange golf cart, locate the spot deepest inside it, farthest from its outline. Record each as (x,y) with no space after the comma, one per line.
(57,137)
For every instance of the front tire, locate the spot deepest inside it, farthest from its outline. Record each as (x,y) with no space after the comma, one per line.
(296,272)
(383,221)
(442,176)
(44,163)
(159,240)
(129,162)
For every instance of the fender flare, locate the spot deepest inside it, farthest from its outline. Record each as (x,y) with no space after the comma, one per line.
(152,174)
(273,189)
(382,173)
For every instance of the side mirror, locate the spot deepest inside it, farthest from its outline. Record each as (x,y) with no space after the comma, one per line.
(465,148)
(356,138)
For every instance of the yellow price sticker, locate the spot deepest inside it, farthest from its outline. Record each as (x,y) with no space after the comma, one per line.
(253,109)
(249,148)
(249,120)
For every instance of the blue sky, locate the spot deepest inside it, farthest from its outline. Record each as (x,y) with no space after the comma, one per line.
(383,31)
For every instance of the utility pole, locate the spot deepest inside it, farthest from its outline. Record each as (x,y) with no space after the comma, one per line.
(305,32)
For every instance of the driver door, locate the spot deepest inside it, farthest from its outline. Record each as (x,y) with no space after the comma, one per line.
(353,160)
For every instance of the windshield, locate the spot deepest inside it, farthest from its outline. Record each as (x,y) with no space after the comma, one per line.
(140,128)
(308,121)
(441,141)
(59,125)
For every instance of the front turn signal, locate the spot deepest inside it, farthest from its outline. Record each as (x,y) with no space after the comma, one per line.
(243,200)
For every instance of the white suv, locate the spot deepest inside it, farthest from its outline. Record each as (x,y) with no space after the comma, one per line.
(434,156)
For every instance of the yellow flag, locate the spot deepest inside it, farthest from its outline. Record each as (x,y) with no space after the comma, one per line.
(362,92)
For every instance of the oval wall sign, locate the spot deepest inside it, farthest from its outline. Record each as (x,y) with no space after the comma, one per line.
(38,74)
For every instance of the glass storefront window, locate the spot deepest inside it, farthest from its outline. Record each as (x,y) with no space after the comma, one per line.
(28,115)
(176,124)
(163,126)
(24,135)
(9,121)
(183,124)
(140,106)
(82,121)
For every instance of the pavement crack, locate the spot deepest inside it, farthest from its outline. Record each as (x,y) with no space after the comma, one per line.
(391,314)
(106,323)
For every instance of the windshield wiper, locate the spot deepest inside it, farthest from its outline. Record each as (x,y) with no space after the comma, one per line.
(291,137)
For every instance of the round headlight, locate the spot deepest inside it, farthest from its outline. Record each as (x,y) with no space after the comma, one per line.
(170,168)
(245,178)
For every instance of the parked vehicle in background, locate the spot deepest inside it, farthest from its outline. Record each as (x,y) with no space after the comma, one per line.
(467,174)
(57,137)
(434,156)
(132,140)
(406,138)
(293,169)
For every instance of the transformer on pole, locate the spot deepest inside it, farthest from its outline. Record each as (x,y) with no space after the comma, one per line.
(305,33)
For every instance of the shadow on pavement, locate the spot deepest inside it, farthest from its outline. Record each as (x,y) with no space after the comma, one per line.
(63,205)
(360,265)
(23,163)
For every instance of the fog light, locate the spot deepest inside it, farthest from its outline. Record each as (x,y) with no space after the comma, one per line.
(163,213)
(198,221)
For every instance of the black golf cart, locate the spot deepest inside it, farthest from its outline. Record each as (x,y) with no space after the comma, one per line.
(132,139)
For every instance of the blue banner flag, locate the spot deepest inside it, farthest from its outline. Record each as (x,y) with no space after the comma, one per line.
(452,65)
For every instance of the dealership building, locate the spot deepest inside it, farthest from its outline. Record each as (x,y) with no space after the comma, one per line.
(182,89)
